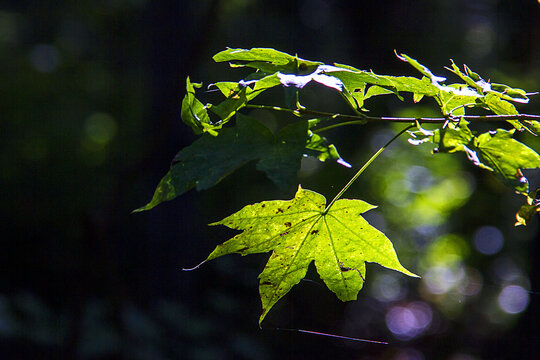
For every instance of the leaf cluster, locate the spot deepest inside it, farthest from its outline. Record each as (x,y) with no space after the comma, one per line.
(221,150)
(306,229)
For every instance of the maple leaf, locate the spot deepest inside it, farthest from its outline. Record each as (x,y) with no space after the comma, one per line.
(300,231)
(210,158)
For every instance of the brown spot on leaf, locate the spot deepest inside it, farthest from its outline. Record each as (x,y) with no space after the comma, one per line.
(279,211)
(288,224)
(314,232)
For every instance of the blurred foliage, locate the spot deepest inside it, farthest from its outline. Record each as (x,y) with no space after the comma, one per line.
(90,99)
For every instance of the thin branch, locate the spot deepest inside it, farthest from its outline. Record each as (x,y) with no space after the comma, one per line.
(357,119)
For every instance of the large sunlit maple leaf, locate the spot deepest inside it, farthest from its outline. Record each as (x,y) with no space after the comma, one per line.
(299,231)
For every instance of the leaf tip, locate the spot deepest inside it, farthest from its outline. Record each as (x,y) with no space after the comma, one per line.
(263,315)
(400,57)
(143,208)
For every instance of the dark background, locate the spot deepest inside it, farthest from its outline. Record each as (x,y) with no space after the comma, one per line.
(90,96)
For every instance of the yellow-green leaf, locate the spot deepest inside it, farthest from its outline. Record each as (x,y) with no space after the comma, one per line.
(298,231)
(527,210)
(507,157)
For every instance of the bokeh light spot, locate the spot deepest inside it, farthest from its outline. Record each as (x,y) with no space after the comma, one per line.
(420,178)
(407,322)
(513,299)
(44,58)
(488,240)
(440,279)
(388,288)
(100,128)
(480,38)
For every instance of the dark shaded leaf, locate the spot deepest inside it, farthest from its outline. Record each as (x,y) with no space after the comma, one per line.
(209,159)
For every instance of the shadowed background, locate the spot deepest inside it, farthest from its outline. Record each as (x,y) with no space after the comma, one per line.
(90,98)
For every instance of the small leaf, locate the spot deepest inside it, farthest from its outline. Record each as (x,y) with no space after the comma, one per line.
(454,98)
(353,78)
(502,107)
(267,60)
(507,157)
(209,159)
(375,90)
(239,95)
(355,97)
(421,68)
(527,210)
(417,97)
(450,139)
(298,232)
(194,113)
(318,145)
(533,126)
(467,79)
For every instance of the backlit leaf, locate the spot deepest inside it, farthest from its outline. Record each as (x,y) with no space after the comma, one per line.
(496,151)
(239,95)
(194,113)
(267,60)
(452,138)
(318,146)
(297,232)
(421,68)
(502,107)
(527,210)
(453,99)
(507,157)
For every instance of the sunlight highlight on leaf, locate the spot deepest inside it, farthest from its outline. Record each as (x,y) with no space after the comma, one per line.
(298,232)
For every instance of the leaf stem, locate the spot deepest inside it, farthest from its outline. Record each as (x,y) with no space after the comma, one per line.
(364,167)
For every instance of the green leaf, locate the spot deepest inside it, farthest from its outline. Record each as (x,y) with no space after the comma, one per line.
(454,137)
(355,96)
(421,68)
(453,99)
(267,60)
(298,231)
(239,95)
(353,78)
(318,145)
(194,113)
(475,84)
(533,126)
(507,157)
(209,159)
(496,151)
(502,107)
(375,90)
(527,210)
(450,139)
